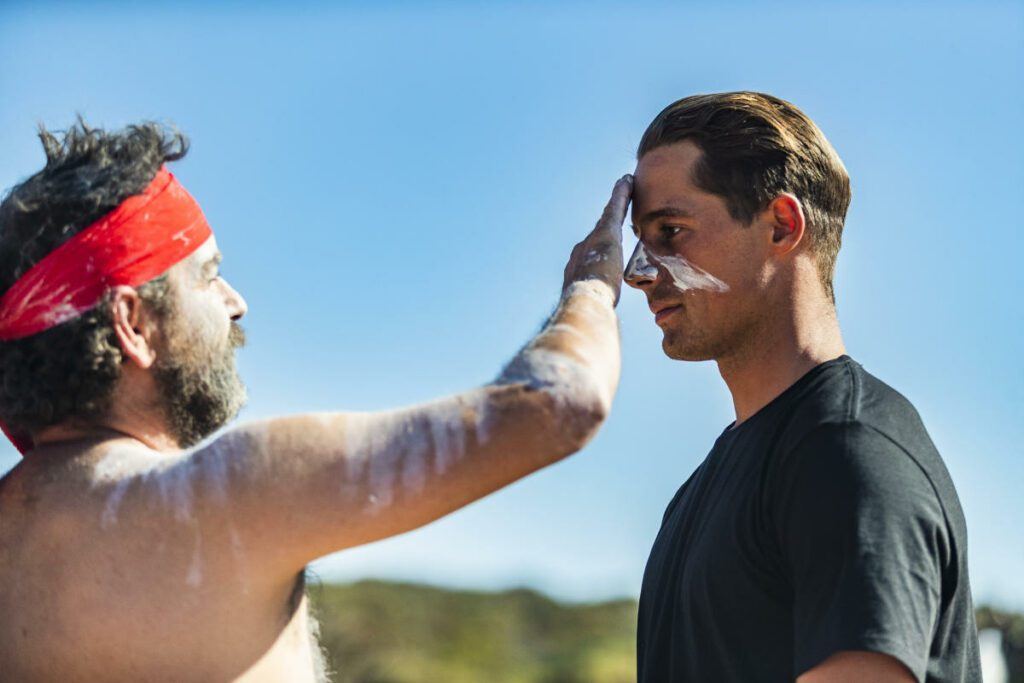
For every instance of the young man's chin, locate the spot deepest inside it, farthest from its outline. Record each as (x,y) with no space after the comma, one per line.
(675,349)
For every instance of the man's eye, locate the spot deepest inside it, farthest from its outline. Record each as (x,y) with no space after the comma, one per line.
(670,231)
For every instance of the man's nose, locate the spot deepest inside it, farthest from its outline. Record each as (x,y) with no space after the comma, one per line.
(237,307)
(640,272)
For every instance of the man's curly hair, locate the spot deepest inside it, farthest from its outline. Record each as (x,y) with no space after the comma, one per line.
(68,373)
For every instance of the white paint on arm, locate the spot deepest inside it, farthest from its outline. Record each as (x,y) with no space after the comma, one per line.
(303,486)
(576,355)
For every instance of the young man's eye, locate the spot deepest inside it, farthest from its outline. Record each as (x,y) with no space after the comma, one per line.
(670,231)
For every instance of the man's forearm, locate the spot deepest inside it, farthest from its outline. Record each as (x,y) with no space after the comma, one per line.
(576,357)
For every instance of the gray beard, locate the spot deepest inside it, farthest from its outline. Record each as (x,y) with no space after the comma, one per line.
(200,394)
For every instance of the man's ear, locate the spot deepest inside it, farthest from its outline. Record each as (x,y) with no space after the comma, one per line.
(787,219)
(133,326)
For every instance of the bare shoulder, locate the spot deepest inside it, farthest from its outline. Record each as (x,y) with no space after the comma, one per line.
(129,556)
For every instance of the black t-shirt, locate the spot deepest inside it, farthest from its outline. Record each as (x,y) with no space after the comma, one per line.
(825,522)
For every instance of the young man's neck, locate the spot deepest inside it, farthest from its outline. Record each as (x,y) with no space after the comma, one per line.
(788,347)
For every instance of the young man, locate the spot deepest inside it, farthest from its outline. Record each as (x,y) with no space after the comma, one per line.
(821,539)
(129,553)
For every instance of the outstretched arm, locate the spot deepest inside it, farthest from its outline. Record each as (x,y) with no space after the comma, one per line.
(301,487)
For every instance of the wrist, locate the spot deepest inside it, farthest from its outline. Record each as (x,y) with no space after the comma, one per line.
(592,288)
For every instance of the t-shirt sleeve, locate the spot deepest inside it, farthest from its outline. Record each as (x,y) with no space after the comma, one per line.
(863,538)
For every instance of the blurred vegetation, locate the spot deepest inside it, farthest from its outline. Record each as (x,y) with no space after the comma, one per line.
(376,632)
(380,632)
(1012,626)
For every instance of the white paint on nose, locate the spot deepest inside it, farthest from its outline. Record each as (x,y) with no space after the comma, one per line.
(639,265)
(685,276)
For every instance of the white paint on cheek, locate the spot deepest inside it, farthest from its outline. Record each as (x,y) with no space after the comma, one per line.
(686,276)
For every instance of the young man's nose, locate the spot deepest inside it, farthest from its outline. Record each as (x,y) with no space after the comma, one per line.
(639,271)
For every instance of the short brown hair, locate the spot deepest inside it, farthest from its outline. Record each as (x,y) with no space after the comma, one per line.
(756,146)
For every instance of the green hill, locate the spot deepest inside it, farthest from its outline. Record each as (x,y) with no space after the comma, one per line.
(379,632)
(376,632)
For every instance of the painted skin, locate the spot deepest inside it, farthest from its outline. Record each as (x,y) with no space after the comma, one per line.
(127,558)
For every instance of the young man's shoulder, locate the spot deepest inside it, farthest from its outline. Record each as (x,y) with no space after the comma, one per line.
(840,396)
(850,418)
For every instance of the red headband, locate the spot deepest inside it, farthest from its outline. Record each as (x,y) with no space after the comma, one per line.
(140,239)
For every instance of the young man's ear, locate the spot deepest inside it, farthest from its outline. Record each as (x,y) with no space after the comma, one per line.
(133,326)
(787,220)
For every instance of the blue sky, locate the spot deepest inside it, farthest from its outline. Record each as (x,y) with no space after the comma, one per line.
(396,188)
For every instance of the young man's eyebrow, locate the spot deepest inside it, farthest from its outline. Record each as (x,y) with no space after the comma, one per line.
(664,212)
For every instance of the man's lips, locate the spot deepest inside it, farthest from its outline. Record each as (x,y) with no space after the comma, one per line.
(664,310)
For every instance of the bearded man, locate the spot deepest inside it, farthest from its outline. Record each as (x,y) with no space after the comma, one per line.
(821,539)
(132,550)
